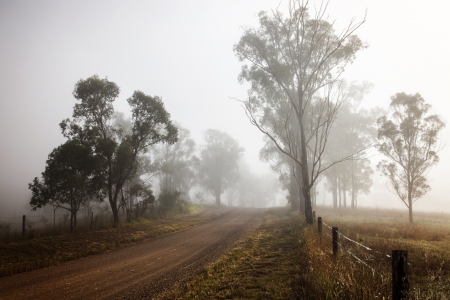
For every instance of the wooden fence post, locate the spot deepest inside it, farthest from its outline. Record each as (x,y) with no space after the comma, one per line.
(314,216)
(319,224)
(24,219)
(335,240)
(400,284)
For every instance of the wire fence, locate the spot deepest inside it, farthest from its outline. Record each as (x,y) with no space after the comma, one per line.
(38,224)
(400,265)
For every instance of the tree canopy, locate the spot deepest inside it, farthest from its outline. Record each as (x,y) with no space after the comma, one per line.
(93,123)
(293,65)
(408,138)
(219,162)
(69,180)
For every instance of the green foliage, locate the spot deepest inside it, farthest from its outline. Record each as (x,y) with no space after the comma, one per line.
(408,138)
(170,201)
(69,180)
(119,151)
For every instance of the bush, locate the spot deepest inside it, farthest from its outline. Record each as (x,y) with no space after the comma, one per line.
(171,202)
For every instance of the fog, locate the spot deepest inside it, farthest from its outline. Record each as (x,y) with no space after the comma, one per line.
(182,52)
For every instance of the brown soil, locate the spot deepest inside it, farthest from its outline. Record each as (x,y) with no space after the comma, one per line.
(141,271)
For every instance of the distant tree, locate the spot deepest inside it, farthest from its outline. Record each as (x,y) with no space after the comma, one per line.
(284,166)
(408,138)
(69,180)
(256,190)
(219,162)
(177,164)
(301,58)
(352,130)
(151,124)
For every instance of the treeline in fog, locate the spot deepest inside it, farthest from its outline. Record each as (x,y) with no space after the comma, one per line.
(109,157)
(315,126)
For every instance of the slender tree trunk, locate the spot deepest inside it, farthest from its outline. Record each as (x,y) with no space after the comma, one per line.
(293,189)
(71,222)
(304,159)
(335,192)
(339,191)
(410,208)
(344,190)
(305,176)
(301,197)
(75,220)
(353,186)
(218,198)
(112,197)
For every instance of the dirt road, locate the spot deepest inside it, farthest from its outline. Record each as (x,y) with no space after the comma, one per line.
(141,271)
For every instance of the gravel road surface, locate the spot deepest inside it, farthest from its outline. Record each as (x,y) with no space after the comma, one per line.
(141,271)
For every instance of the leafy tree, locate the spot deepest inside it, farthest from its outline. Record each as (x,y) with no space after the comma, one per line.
(93,118)
(219,162)
(408,138)
(177,164)
(69,179)
(300,58)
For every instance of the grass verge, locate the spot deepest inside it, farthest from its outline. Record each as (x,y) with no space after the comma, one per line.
(22,256)
(263,266)
(427,242)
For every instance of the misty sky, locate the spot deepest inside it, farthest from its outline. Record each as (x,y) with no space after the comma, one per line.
(182,51)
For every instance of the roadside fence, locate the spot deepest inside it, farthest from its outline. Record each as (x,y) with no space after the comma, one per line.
(38,225)
(398,258)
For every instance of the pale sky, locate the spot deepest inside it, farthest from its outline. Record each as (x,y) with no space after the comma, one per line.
(182,51)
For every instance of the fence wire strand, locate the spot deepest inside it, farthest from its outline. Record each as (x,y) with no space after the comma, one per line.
(361,261)
(364,246)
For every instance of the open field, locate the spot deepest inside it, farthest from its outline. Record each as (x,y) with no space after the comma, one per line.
(427,242)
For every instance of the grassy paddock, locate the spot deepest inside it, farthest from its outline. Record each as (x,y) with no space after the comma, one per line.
(265,265)
(427,242)
(21,256)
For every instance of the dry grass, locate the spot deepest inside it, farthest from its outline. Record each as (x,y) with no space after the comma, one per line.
(21,256)
(263,266)
(427,242)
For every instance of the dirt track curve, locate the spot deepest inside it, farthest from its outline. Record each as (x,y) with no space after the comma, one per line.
(141,271)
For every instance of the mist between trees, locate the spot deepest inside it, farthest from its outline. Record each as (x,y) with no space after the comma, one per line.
(110,158)
(314,124)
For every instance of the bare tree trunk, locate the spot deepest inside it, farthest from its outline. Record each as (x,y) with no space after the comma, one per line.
(335,192)
(305,178)
(217,197)
(75,220)
(410,208)
(353,186)
(339,191)
(293,189)
(344,190)
(301,197)
(71,222)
